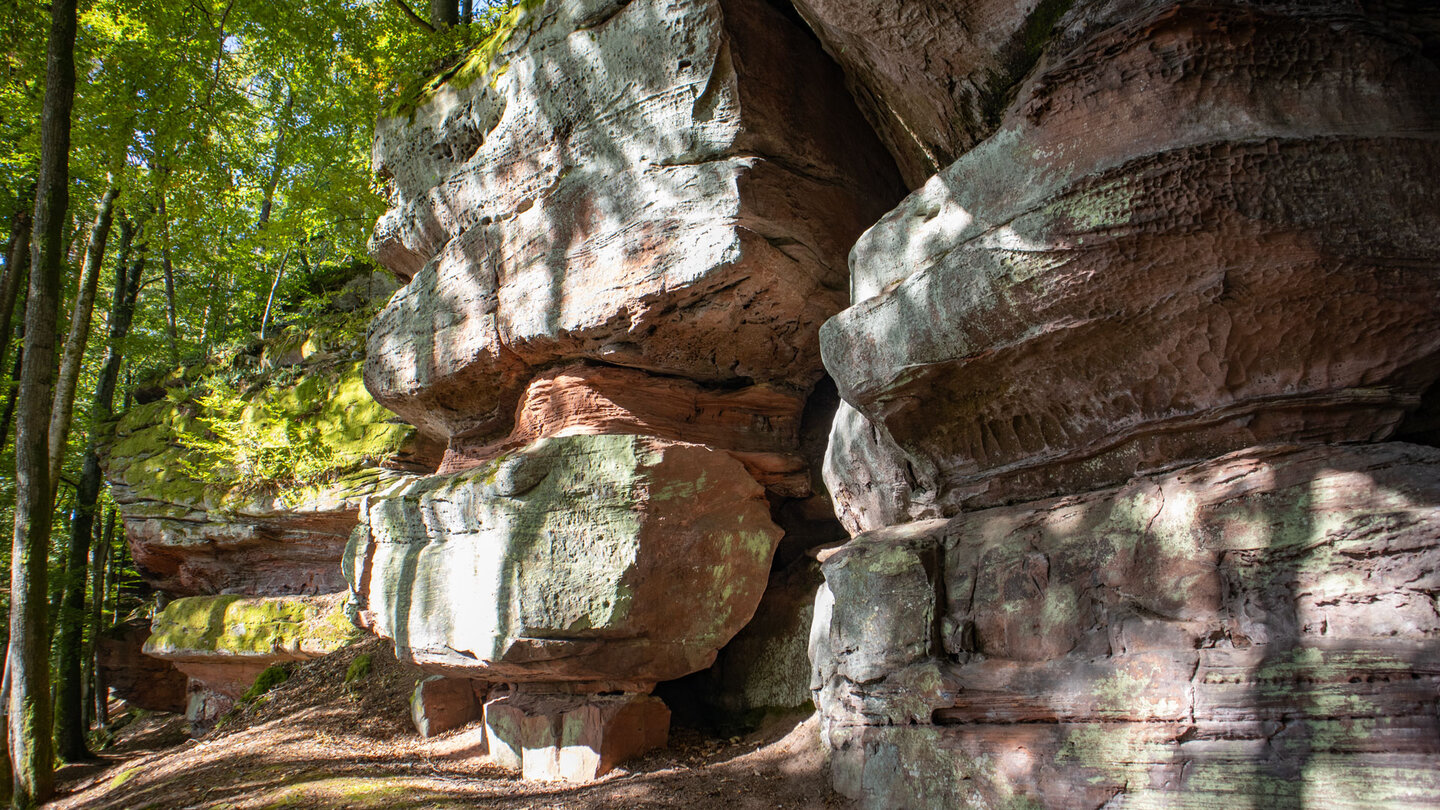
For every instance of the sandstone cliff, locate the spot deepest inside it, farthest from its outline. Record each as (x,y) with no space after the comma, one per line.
(1118,382)
(243,477)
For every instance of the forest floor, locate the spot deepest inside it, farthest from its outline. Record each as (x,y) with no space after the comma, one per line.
(316,742)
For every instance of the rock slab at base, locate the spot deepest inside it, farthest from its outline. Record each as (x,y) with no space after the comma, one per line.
(572,738)
(440,704)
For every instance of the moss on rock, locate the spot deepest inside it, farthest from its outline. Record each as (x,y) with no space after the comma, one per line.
(199,628)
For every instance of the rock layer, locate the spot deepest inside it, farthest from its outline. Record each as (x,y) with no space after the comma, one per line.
(669,187)
(1192,254)
(237,533)
(1259,626)
(563,562)
(136,678)
(1116,281)
(223,642)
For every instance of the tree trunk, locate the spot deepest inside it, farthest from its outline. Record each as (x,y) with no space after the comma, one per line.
(265,319)
(69,694)
(74,354)
(17,267)
(99,589)
(467,11)
(14,391)
(29,654)
(172,334)
(444,13)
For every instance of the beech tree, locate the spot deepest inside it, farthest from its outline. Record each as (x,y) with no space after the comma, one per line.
(28,660)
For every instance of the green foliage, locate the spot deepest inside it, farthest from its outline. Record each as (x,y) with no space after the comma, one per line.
(255,444)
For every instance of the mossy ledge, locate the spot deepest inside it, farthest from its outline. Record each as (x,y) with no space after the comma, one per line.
(203,628)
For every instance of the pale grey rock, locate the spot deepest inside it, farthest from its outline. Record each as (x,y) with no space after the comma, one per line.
(667,186)
(562,562)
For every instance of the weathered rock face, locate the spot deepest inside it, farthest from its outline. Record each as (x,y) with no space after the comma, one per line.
(563,562)
(620,225)
(237,534)
(440,704)
(932,76)
(668,187)
(1116,281)
(136,678)
(223,642)
(1261,626)
(560,737)
(1196,238)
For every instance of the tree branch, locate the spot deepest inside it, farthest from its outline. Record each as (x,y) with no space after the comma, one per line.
(418,20)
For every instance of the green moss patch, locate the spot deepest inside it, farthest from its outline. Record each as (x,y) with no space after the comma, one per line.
(474,64)
(230,625)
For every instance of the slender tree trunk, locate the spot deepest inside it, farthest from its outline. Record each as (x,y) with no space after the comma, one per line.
(172,334)
(8,416)
(265,319)
(467,11)
(69,694)
(74,354)
(28,655)
(444,13)
(17,269)
(99,589)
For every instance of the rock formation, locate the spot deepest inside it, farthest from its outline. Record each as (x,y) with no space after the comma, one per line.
(620,226)
(244,478)
(1099,373)
(223,642)
(133,676)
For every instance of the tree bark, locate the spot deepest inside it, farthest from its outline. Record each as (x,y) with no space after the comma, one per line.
(415,18)
(444,13)
(99,589)
(17,268)
(80,317)
(28,654)
(172,333)
(467,11)
(265,319)
(69,693)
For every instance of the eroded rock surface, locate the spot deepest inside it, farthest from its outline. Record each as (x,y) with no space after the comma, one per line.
(136,678)
(669,187)
(617,561)
(1116,281)
(1259,627)
(238,533)
(223,642)
(1097,371)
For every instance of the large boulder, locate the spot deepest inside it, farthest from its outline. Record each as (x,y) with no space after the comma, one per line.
(1261,627)
(566,562)
(669,186)
(1116,280)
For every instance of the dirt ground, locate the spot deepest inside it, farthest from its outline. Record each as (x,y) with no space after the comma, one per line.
(315,742)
